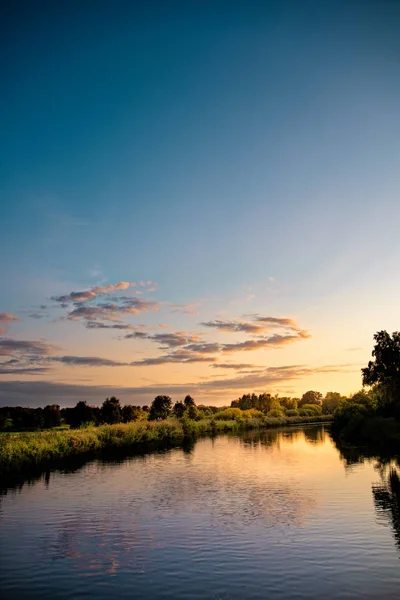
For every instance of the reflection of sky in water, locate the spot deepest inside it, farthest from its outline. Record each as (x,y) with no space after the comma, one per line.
(230,513)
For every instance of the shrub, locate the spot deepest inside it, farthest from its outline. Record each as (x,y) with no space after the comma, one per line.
(314,409)
(292,412)
(228,414)
(275,413)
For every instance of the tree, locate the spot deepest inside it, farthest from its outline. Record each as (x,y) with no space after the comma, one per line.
(330,402)
(160,407)
(130,413)
(111,410)
(384,371)
(311,397)
(188,401)
(80,414)
(179,409)
(51,415)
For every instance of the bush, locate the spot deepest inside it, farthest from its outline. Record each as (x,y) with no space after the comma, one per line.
(292,412)
(313,409)
(228,414)
(275,413)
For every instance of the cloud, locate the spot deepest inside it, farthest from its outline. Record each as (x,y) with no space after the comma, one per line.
(256,325)
(100,325)
(22,370)
(167,340)
(233,366)
(112,311)
(8,318)
(91,294)
(234,326)
(36,347)
(88,361)
(181,356)
(188,309)
(204,348)
(265,342)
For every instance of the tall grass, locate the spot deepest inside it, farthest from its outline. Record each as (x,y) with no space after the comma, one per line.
(20,452)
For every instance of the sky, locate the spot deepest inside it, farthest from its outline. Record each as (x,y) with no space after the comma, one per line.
(196,197)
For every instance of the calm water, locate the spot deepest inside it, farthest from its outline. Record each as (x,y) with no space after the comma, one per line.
(276,515)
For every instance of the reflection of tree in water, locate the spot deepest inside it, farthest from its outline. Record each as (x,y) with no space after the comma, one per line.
(386,494)
(387,501)
(315,435)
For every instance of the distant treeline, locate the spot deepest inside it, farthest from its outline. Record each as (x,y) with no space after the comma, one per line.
(19,418)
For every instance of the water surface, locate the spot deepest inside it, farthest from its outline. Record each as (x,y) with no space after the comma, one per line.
(273,515)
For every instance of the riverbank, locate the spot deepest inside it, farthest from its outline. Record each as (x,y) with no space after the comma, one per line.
(25,451)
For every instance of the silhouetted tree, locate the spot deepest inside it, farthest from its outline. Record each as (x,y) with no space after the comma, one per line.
(79,415)
(160,407)
(384,371)
(179,409)
(188,401)
(51,416)
(111,410)
(131,413)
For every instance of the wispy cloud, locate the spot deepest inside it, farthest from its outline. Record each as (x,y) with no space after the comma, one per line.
(8,318)
(167,340)
(28,347)
(93,292)
(89,361)
(234,326)
(181,356)
(233,366)
(188,309)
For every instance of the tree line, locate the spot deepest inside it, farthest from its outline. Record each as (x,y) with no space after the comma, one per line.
(19,418)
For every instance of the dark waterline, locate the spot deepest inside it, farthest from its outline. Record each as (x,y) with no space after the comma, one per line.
(275,514)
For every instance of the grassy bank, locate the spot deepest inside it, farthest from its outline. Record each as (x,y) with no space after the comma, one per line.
(21,452)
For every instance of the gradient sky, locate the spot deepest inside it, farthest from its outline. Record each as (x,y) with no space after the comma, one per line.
(234,164)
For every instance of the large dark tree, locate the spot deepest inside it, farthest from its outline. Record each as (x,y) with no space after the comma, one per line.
(179,409)
(384,371)
(51,416)
(188,401)
(386,366)
(111,410)
(81,414)
(160,408)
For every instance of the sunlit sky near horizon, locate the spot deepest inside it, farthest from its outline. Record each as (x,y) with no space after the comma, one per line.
(196,197)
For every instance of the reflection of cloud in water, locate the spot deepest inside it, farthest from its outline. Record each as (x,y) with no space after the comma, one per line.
(121,514)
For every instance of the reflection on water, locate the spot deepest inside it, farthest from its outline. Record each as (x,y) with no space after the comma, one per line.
(265,514)
(387,501)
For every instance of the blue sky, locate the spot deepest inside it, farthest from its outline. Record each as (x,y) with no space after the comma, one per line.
(243,156)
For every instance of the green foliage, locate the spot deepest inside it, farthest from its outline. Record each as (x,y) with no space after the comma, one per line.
(312,409)
(228,413)
(330,402)
(131,413)
(291,412)
(275,413)
(384,372)
(160,408)
(179,409)
(288,403)
(192,412)
(311,397)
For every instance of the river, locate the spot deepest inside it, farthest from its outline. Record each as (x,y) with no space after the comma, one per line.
(276,514)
